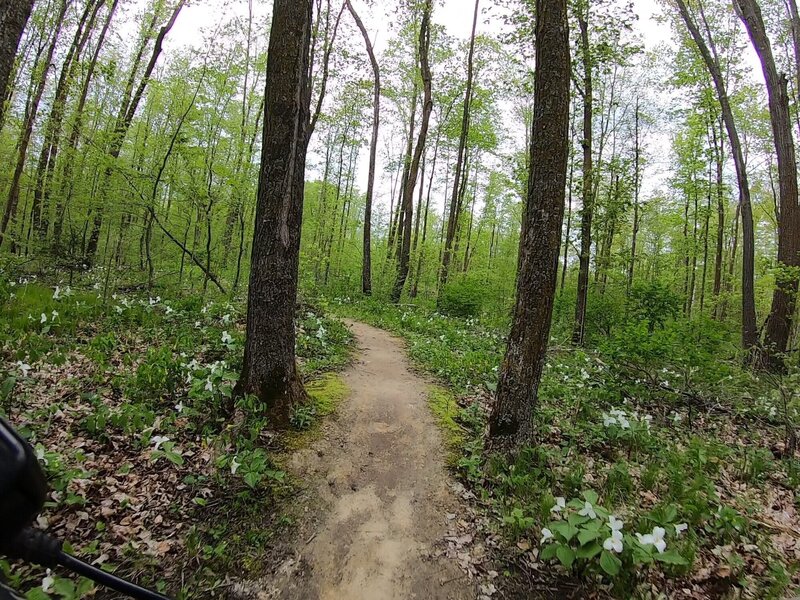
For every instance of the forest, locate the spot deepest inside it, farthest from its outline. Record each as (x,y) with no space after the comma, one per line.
(366,299)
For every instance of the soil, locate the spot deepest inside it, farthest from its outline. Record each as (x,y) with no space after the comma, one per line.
(385,497)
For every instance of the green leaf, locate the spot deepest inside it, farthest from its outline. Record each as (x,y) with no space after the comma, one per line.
(590,551)
(548,551)
(565,555)
(565,530)
(671,558)
(591,497)
(610,563)
(587,535)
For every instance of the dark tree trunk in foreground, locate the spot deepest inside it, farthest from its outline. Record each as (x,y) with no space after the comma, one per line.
(366,265)
(404,257)
(511,422)
(270,369)
(14,15)
(587,211)
(749,327)
(784,300)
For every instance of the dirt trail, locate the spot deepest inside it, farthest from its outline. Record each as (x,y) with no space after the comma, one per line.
(379,470)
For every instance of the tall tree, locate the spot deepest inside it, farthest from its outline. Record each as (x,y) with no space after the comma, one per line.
(127,111)
(711,60)
(587,188)
(14,15)
(511,422)
(366,265)
(459,182)
(31,110)
(778,327)
(405,225)
(270,367)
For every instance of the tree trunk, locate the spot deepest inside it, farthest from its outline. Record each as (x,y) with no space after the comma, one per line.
(408,189)
(42,68)
(67,180)
(511,421)
(14,17)
(123,123)
(52,129)
(458,185)
(749,327)
(784,300)
(636,188)
(366,265)
(579,330)
(720,186)
(270,369)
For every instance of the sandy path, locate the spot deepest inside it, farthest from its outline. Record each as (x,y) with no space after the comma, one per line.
(380,473)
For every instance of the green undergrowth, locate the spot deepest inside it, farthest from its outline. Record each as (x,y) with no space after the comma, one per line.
(126,398)
(656,425)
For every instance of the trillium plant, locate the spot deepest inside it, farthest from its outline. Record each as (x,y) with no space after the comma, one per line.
(586,536)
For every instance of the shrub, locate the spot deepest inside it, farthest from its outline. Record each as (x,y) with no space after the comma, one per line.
(461,299)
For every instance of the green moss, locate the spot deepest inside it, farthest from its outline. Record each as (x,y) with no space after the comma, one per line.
(327,392)
(446,410)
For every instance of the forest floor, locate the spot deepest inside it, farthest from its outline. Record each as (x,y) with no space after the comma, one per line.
(383,502)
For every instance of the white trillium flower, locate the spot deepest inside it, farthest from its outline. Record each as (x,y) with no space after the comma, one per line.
(157,440)
(654,539)
(614,543)
(24,367)
(197,324)
(118,308)
(226,318)
(43,318)
(546,535)
(608,420)
(57,293)
(169,310)
(587,510)
(54,314)
(235,464)
(680,528)
(226,337)
(179,406)
(615,524)
(47,582)
(560,504)
(209,385)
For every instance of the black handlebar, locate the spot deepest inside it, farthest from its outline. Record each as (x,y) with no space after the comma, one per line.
(37,547)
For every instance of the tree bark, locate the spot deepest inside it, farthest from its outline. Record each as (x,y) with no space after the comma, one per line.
(579,329)
(511,421)
(784,300)
(14,15)
(366,265)
(270,369)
